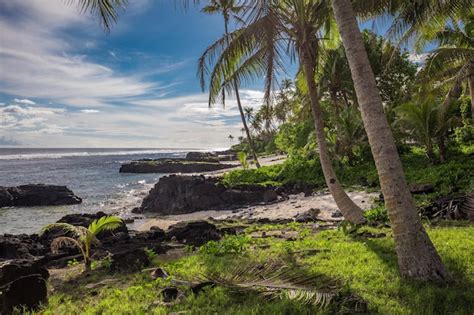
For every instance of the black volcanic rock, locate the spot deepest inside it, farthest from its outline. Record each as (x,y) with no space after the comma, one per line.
(172,166)
(194,233)
(26,292)
(37,195)
(202,156)
(176,194)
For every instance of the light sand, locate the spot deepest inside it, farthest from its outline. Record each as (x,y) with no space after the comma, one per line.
(287,209)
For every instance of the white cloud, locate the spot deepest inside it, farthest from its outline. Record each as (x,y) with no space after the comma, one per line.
(39,61)
(418,58)
(24,101)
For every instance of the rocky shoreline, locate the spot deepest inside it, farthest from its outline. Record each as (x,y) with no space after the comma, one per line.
(194,162)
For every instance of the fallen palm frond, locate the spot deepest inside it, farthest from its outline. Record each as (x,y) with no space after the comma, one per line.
(276,280)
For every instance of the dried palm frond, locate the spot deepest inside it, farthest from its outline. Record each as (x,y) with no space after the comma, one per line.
(467,206)
(276,280)
(59,242)
(77,231)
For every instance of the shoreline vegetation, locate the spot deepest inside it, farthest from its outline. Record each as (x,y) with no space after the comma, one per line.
(352,191)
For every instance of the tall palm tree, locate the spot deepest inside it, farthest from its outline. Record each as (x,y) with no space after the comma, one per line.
(255,50)
(229,9)
(417,256)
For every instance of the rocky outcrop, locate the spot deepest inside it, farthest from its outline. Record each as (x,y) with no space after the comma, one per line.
(195,233)
(22,284)
(172,166)
(37,195)
(26,292)
(202,156)
(185,194)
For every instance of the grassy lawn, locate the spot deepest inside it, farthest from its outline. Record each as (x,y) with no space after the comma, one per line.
(363,263)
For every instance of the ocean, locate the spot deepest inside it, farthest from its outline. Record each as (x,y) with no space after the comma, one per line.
(92,174)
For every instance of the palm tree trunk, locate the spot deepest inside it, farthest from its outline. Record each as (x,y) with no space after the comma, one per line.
(348,208)
(417,257)
(471,92)
(239,104)
(244,122)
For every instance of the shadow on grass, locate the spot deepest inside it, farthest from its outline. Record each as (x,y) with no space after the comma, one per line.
(232,266)
(456,297)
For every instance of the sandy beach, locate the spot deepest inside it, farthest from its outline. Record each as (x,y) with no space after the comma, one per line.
(284,209)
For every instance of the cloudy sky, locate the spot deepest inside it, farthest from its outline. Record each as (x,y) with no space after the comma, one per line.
(64,82)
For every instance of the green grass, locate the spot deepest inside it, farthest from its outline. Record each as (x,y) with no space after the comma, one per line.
(365,266)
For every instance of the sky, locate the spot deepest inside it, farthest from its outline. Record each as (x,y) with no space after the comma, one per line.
(65,82)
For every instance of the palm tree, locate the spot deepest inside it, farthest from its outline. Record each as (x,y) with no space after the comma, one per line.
(228,9)
(256,50)
(427,121)
(417,256)
(453,60)
(83,238)
(105,10)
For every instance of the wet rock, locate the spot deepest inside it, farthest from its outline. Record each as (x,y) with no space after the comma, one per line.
(172,166)
(24,292)
(194,233)
(37,195)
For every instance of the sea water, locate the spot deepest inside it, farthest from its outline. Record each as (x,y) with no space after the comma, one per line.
(92,174)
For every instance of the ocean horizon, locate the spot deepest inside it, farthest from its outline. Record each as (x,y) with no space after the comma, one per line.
(91,173)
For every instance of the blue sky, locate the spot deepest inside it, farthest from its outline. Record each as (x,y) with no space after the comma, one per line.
(64,82)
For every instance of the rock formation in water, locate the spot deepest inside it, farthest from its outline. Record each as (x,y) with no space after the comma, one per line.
(37,195)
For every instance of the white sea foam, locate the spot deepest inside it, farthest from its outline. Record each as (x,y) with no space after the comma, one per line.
(58,155)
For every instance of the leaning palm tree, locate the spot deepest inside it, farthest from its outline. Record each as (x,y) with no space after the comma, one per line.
(274,29)
(81,237)
(417,256)
(229,9)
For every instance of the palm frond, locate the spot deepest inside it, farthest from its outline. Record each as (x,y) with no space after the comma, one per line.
(104,223)
(105,10)
(59,242)
(77,231)
(274,279)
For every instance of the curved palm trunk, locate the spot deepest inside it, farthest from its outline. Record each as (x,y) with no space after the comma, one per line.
(417,257)
(471,92)
(239,105)
(349,209)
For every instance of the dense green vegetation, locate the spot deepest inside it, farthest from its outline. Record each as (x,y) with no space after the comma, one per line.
(363,263)
(448,178)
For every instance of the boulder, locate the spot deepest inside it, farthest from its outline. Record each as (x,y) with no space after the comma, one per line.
(129,261)
(20,246)
(195,233)
(185,194)
(310,215)
(13,270)
(26,292)
(172,166)
(421,188)
(37,195)
(202,156)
